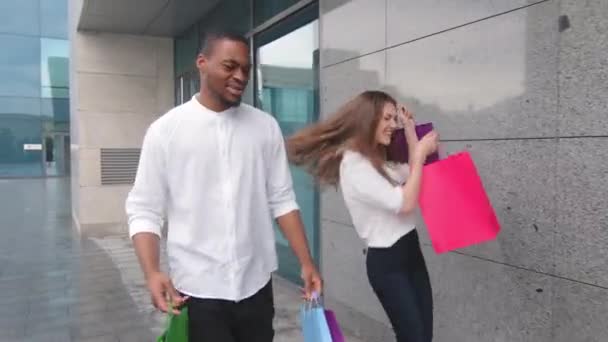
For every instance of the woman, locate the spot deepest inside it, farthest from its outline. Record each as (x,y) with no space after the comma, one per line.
(349,149)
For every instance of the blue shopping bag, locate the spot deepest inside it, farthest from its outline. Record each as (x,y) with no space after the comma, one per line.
(314,323)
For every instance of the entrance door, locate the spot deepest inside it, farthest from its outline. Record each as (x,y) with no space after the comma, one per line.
(287,69)
(56,154)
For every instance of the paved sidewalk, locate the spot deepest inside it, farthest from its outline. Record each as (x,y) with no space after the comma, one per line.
(56,286)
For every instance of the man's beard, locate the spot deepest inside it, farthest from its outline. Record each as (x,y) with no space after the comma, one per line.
(229,103)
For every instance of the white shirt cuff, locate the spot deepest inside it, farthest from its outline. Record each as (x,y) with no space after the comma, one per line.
(284,208)
(142,225)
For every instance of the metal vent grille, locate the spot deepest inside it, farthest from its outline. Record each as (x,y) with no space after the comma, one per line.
(119,165)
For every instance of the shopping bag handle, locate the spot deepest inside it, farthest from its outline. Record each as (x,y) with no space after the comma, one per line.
(316,301)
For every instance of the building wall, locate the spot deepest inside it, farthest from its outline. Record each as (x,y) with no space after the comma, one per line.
(122,84)
(522,85)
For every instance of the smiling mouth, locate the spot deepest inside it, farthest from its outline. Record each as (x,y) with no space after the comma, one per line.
(235,90)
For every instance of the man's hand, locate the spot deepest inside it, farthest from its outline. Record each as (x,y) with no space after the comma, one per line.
(312,281)
(161,288)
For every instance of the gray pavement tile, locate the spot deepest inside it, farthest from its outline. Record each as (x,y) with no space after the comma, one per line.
(136,335)
(12,322)
(88,304)
(15,291)
(56,286)
(89,318)
(12,333)
(33,328)
(89,330)
(104,338)
(10,304)
(45,315)
(56,335)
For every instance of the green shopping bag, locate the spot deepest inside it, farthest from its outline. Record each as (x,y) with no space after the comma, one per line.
(177,326)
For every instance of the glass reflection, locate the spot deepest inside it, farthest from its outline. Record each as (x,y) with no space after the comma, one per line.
(20,131)
(20,17)
(54,18)
(17,106)
(54,67)
(266,9)
(186,49)
(287,87)
(56,149)
(287,79)
(19,66)
(57,109)
(239,12)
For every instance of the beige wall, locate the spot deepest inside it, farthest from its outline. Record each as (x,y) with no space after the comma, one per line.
(121,84)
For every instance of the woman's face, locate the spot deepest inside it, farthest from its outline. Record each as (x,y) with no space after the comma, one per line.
(387,124)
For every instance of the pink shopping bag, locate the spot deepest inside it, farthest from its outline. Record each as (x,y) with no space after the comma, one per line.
(334,327)
(454,205)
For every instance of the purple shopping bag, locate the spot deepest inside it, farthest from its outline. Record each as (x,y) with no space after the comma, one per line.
(397,150)
(334,327)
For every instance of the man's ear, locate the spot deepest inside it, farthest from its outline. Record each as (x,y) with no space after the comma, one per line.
(201,62)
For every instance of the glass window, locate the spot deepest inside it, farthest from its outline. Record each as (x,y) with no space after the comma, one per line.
(56,151)
(266,9)
(194,85)
(287,76)
(229,14)
(179,98)
(13,106)
(20,17)
(54,18)
(248,94)
(288,79)
(20,137)
(186,49)
(54,67)
(187,89)
(50,127)
(19,66)
(55,92)
(57,109)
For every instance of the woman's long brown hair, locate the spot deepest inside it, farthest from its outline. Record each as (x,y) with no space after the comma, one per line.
(319,148)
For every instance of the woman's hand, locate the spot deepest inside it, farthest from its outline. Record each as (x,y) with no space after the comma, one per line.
(407,117)
(427,145)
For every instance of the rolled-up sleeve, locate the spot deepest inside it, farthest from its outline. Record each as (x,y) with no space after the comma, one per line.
(281,197)
(146,202)
(363,182)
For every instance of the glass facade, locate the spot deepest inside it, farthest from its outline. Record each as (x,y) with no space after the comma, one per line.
(287,82)
(34,74)
(286,60)
(264,10)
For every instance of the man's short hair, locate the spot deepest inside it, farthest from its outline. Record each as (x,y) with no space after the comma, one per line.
(212,36)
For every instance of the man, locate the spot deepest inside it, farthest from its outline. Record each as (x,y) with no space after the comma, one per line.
(217,170)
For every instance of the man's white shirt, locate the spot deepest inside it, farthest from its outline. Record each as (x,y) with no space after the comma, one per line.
(219,179)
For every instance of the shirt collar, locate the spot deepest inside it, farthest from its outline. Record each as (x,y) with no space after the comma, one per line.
(199,106)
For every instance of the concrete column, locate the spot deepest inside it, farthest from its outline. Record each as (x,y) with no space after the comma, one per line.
(120,85)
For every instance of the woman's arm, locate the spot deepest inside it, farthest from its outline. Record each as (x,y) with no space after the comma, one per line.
(409,127)
(411,189)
